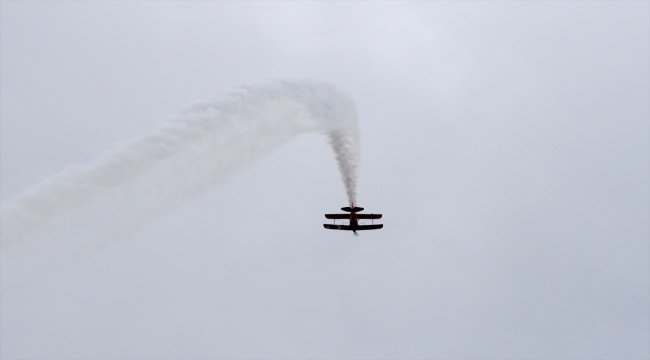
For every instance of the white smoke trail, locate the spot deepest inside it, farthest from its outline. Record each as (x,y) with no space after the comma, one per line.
(84,207)
(346,150)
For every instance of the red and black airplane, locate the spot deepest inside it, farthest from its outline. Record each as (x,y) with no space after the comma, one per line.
(354,220)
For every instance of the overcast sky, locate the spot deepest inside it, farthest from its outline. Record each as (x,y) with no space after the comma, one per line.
(506,144)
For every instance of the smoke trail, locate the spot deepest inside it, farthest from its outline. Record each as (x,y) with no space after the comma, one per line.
(84,207)
(345,145)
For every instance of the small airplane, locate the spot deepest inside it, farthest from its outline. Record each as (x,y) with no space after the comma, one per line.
(353,217)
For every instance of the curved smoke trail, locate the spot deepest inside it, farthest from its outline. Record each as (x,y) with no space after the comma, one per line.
(148,176)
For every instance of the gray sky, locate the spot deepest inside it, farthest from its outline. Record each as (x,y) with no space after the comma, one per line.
(506,144)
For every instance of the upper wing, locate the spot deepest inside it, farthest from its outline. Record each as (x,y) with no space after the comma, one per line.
(338,216)
(368,216)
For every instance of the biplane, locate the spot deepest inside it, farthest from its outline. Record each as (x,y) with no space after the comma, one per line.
(353,217)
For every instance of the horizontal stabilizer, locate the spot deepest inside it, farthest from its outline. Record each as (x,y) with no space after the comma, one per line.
(368,216)
(338,216)
(354,209)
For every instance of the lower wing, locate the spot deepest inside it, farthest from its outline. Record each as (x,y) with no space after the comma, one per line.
(347,227)
(337,227)
(370,227)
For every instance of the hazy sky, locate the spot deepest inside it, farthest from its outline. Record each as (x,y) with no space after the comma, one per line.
(506,144)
